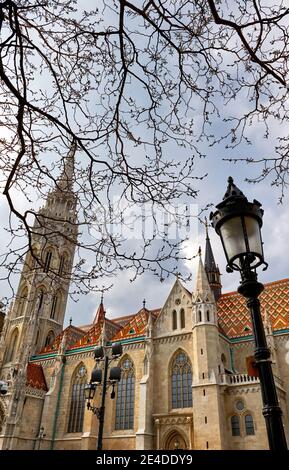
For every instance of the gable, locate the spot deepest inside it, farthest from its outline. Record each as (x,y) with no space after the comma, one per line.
(179,299)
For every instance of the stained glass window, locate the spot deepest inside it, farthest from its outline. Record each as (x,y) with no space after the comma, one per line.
(249,425)
(181,381)
(235,425)
(77,400)
(124,418)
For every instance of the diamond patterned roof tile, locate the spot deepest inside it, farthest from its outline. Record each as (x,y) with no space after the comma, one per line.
(234,317)
(137,325)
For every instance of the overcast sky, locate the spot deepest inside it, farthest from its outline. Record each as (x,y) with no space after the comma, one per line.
(125,297)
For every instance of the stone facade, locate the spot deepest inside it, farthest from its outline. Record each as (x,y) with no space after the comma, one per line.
(192,409)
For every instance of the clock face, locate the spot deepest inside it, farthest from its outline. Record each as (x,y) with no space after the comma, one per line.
(177,301)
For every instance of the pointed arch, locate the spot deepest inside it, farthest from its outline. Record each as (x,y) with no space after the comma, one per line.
(62,266)
(235,425)
(181,380)
(12,347)
(56,305)
(175,439)
(22,301)
(50,337)
(40,297)
(77,399)
(174,320)
(125,395)
(249,425)
(47,260)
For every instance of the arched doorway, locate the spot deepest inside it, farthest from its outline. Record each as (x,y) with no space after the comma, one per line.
(175,441)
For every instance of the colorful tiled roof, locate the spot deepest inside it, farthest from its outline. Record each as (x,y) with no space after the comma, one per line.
(123,320)
(35,377)
(89,338)
(234,317)
(72,335)
(137,325)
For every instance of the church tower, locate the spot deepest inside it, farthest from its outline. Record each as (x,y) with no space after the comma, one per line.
(37,314)
(212,269)
(207,366)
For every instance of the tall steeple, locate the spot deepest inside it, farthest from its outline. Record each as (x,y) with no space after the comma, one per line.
(38,310)
(61,201)
(66,179)
(42,293)
(202,287)
(211,268)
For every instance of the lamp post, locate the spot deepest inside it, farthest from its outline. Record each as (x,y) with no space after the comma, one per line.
(238,222)
(101,355)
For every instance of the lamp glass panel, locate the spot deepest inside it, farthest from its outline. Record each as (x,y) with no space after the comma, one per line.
(233,237)
(254,235)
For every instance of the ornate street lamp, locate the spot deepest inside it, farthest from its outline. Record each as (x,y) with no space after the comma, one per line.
(238,222)
(101,354)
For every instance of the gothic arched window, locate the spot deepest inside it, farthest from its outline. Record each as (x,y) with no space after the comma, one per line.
(77,400)
(200,315)
(235,425)
(181,381)
(40,300)
(124,418)
(183,321)
(174,314)
(62,264)
(12,346)
(22,301)
(49,338)
(47,261)
(55,306)
(208,315)
(249,425)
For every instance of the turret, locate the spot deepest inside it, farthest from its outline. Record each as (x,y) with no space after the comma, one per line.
(212,269)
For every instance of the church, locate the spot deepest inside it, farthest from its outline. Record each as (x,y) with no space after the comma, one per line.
(185,381)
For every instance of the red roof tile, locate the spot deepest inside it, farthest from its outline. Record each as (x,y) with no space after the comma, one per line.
(35,377)
(91,337)
(234,317)
(137,325)
(72,335)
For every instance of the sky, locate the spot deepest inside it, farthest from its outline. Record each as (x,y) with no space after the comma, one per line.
(127,297)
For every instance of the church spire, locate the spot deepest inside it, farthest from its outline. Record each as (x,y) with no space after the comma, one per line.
(66,179)
(211,268)
(100,314)
(202,286)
